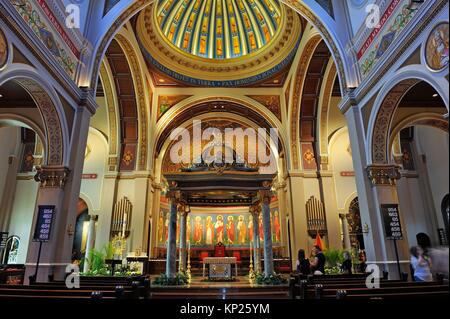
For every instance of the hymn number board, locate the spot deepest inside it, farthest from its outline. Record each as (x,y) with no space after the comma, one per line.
(391,218)
(44,223)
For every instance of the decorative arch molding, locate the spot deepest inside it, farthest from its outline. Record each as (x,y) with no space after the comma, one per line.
(191,107)
(141,94)
(422,119)
(125,9)
(387,102)
(324,104)
(348,201)
(20,120)
(50,108)
(112,106)
(299,81)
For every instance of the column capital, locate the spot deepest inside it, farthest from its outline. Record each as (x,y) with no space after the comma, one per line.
(383,174)
(266,196)
(52,176)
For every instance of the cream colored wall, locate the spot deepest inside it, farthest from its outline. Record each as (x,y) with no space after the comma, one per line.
(100,118)
(341,161)
(95,163)
(22,214)
(9,140)
(434,144)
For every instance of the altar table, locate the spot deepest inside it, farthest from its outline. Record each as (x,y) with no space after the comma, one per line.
(222,265)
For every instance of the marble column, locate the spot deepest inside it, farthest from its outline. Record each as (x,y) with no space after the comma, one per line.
(60,186)
(90,241)
(254,210)
(268,249)
(183,238)
(345,232)
(376,185)
(171,261)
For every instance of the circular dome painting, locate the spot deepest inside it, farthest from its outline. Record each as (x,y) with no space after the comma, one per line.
(437,47)
(218,29)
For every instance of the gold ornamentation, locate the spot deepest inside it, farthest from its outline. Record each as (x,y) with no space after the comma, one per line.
(298,88)
(142,107)
(128,158)
(309,156)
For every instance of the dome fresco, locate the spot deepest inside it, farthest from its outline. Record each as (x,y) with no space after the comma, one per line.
(219,29)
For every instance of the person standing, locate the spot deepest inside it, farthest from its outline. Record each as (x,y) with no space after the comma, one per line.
(421,265)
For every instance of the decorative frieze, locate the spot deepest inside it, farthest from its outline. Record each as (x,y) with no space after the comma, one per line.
(52,176)
(383,175)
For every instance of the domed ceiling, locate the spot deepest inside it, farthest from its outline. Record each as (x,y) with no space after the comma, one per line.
(218,29)
(219,43)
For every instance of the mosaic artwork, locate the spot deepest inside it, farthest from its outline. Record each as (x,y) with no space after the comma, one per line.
(436,51)
(205,230)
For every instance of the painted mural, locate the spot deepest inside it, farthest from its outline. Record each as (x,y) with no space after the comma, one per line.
(437,52)
(3,50)
(204,230)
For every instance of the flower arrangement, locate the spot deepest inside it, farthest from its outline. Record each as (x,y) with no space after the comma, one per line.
(180,279)
(272,280)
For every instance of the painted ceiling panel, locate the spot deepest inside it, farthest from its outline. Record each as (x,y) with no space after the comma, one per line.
(219,29)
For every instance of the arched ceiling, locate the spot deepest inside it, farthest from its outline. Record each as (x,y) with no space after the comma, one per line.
(216,43)
(218,29)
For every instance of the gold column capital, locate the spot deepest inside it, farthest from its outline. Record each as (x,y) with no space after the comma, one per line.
(52,176)
(383,174)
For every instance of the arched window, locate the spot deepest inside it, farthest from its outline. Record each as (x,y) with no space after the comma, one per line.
(11,251)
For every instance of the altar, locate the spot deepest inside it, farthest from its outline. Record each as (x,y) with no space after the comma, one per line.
(220,267)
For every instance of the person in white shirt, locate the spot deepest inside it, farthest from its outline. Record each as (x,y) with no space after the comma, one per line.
(421,265)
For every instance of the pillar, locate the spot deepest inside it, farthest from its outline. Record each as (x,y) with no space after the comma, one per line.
(345,232)
(183,238)
(254,210)
(331,210)
(268,251)
(60,186)
(90,241)
(171,261)
(376,186)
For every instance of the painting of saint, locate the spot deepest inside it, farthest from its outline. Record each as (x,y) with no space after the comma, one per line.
(198,230)
(3,50)
(219,226)
(276,223)
(242,230)
(230,230)
(178,228)
(160,227)
(261,229)
(166,226)
(250,228)
(209,230)
(188,228)
(437,48)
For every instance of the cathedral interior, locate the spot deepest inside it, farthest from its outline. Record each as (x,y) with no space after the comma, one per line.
(117,123)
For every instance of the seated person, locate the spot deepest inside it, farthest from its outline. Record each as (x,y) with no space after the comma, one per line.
(347,266)
(318,263)
(303,266)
